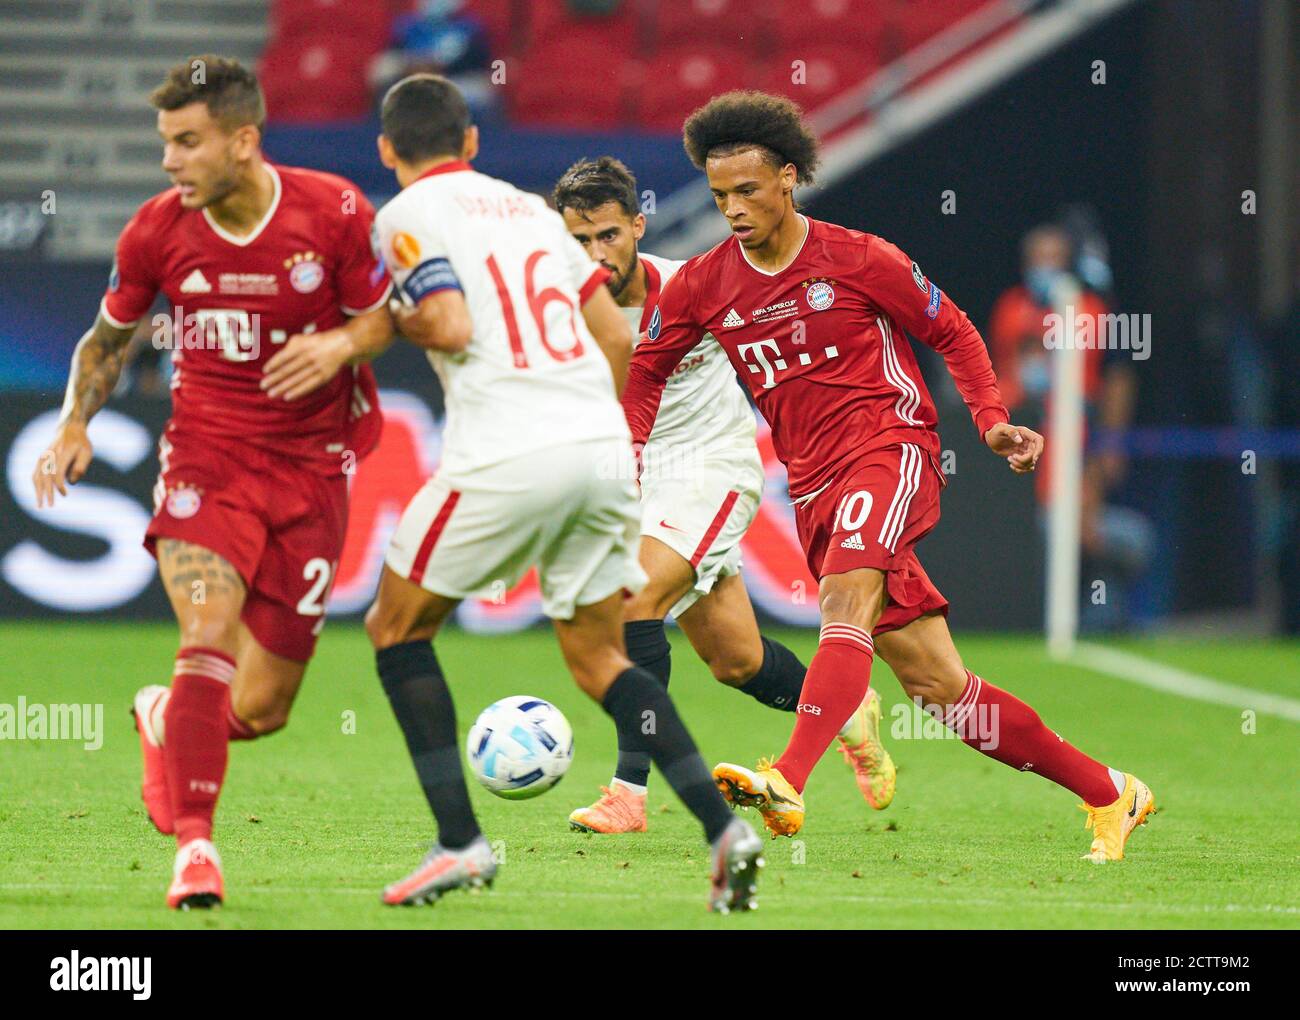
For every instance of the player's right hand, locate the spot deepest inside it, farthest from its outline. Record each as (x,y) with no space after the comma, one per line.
(63,463)
(1020,446)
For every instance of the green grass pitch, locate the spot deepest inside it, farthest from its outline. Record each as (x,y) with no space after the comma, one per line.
(316,819)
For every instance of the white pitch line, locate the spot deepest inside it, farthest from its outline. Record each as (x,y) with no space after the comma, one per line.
(1172,680)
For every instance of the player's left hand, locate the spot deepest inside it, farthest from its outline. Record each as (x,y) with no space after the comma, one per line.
(305,364)
(1021,446)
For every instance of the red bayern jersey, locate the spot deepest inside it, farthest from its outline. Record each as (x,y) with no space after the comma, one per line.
(821,347)
(236,300)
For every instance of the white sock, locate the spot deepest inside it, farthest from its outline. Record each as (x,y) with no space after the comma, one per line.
(1118,779)
(638,790)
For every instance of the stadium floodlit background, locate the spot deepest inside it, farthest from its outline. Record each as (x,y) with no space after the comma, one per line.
(1160,135)
(1147,147)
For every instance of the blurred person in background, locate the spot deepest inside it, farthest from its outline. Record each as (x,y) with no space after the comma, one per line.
(1117,541)
(1286,415)
(438,37)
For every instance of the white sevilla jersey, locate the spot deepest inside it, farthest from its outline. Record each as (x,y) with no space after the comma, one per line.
(532,376)
(702,403)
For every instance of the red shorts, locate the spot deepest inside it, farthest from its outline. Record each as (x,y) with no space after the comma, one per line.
(872,514)
(279,524)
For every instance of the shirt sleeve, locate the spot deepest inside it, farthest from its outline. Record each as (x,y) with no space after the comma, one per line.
(362,279)
(672,334)
(415,251)
(896,284)
(133,282)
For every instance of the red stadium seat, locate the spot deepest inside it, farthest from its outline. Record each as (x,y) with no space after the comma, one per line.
(812,75)
(316,80)
(550,20)
(293,20)
(685,22)
(683,80)
(815,23)
(504,20)
(576,72)
(561,85)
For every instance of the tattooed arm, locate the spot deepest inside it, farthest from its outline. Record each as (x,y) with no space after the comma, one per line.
(96,365)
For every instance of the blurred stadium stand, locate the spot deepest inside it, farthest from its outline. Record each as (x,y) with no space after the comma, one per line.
(74,80)
(990,100)
(75,76)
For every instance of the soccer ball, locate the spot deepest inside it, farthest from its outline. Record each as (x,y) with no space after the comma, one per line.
(520,747)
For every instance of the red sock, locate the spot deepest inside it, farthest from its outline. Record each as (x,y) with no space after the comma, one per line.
(195,749)
(236,728)
(1005,728)
(836,682)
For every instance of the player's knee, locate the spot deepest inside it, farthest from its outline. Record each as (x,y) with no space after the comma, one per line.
(735,670)
(262,710)
(651,603)
(383,628)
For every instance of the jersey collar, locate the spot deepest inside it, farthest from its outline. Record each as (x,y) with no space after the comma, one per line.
(444,168)
(652,284)
(803,244)
(249,238)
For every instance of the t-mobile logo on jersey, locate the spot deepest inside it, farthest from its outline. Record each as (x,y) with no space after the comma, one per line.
(233,332)
(760,362)
(809,709)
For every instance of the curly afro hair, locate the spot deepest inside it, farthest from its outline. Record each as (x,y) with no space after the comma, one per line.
(741,120)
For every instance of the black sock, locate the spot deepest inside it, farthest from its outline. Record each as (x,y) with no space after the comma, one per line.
(637,704)
(779,680)
(647,647)
(422,703)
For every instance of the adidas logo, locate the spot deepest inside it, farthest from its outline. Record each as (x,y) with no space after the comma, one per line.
(196,283)
(732,320)
(854,541)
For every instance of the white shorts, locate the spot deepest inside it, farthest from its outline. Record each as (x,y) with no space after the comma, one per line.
(703,513)
(570,510)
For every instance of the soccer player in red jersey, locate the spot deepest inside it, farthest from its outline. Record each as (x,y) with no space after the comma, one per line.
(278,299)
(812,316)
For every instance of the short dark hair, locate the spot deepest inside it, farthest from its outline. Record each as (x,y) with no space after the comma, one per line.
(590,183)
(225,86)
(746,120)
(425,115)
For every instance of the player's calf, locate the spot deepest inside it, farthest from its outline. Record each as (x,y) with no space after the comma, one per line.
(195,746)
(421,701)
(263,691)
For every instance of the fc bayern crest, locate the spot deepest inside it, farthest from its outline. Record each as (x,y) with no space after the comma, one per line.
(821,295)
(305,277)
(183,503)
